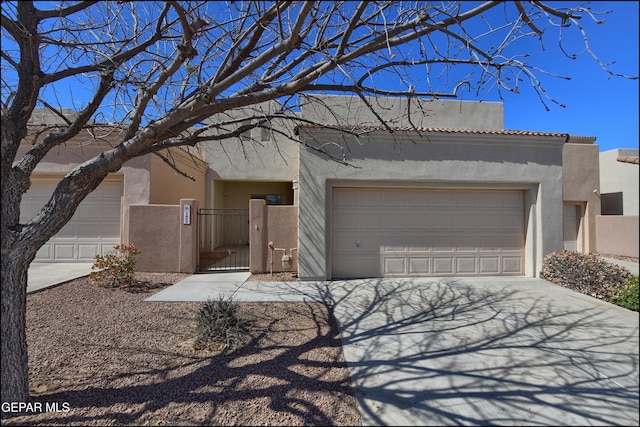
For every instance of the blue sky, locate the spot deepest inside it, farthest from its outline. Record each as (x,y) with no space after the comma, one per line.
(596,105)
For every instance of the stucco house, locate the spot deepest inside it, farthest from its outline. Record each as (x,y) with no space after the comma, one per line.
(102,219)
(617,227)
(619,181)
(439,189)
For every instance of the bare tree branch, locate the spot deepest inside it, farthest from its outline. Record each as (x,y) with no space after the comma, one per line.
(169,72)
(44,14)
(172,164)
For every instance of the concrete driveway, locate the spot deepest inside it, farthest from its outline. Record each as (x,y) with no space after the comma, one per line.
(473,351)
(486,351)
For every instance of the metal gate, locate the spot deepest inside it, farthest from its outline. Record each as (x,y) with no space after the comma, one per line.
(224,239)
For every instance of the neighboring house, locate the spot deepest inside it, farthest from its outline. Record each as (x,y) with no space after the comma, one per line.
(619,181)
(441,189)
(617,228)
(102,219)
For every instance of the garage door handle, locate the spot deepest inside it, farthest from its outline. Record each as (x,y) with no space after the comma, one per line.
(357,244)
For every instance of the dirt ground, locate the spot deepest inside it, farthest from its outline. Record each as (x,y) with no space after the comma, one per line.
(285,276)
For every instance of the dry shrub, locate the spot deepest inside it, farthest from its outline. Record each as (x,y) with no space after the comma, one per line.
(220,325)
(585,273)
(115,268)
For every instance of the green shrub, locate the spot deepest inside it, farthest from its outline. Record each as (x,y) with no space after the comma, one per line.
(628,296)
(219,325)
(585,273)
(115,268)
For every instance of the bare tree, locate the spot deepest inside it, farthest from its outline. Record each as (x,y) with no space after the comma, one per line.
(161,69)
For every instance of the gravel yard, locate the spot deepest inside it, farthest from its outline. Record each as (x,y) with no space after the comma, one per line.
(109,358)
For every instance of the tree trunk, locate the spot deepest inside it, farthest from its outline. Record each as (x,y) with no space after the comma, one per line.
(14,366)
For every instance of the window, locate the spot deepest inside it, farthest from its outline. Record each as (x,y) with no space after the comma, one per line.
(272,199)
(246,135)
(611,203)
(265,133)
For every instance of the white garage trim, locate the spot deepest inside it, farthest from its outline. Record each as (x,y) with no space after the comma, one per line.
(93,229)
(387,232)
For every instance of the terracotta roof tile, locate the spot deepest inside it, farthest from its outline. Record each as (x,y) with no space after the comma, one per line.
(356,128)
(629,159)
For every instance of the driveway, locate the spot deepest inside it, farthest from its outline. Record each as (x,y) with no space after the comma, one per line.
(473,351)
(486,351)
(42,275)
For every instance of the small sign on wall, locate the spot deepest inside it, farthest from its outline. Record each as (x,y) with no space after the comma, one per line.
(186,215)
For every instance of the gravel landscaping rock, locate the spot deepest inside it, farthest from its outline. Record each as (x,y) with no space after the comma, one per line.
(107,357)
(586,273)
(284,276)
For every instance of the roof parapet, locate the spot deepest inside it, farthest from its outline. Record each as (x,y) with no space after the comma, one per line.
(577,139)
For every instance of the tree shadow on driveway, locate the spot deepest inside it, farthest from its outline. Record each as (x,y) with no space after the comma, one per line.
(419,352)
(455,352)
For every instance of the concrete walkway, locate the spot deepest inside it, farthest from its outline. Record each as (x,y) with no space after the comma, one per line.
(42,275)
(211,285)
(631,266)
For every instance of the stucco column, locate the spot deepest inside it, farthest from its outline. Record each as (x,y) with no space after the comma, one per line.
(188,236)
(296,186)
(257,236)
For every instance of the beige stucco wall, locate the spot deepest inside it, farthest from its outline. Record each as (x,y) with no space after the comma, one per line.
(217,195)
(580,177)
(530,163)
(617,235)
(622,177)
(188,260)
(340,110)
(167,186)
(276,224)
(257,236)
(259,162)
(282,230)
(256,156)
(275,158)
(155,231)
(167,242)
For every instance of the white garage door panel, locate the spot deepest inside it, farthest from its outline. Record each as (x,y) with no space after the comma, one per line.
(405,232)
(93,229)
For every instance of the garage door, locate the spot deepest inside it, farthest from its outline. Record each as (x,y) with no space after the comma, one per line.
(418,232)
(93,229)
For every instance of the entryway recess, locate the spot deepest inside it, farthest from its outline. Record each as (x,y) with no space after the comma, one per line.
(223,239)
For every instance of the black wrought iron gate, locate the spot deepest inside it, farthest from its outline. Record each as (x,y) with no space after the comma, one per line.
(224,239)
